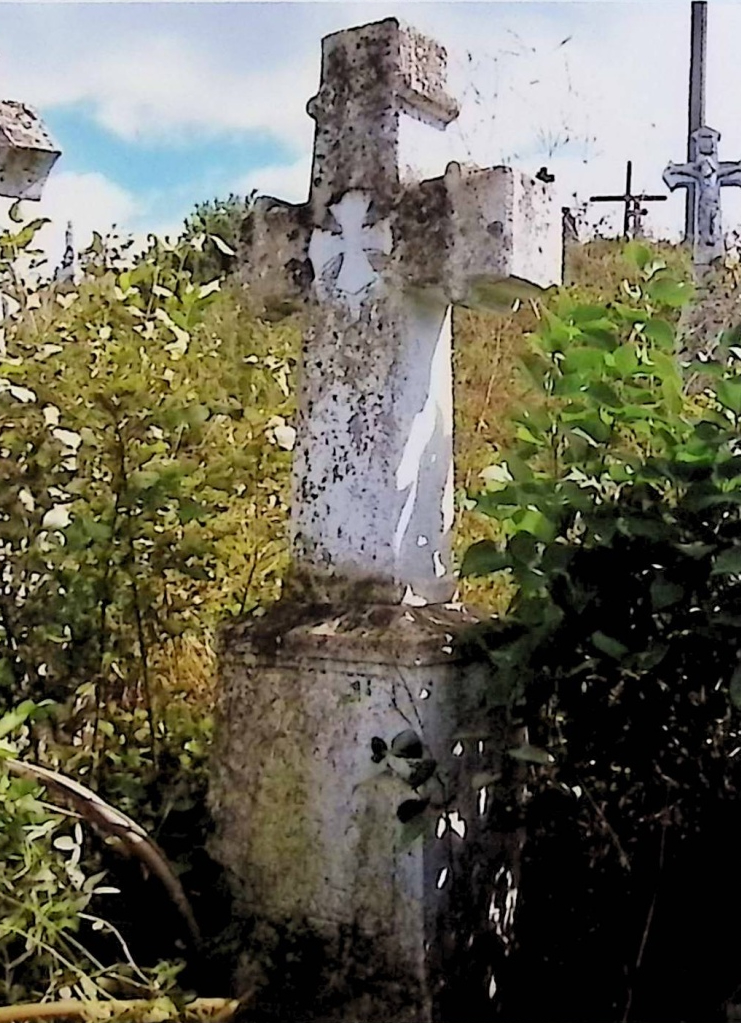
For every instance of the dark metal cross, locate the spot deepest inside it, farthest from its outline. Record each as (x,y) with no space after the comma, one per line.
(634,210)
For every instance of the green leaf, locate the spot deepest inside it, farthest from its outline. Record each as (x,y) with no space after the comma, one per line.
(734,689)
(637,253)
(667,291)
(660,331)
(605,395)
(188,510)
(484,557)
(531,520)
(583,360)
(665,593)
(624,359)
(608,645)
(15,718)
(728,562)
(582,314)
(554,333)
(728,393)
(531,754)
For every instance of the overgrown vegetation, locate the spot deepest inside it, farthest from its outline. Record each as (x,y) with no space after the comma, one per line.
(145,438)
(144,447)
(618,503)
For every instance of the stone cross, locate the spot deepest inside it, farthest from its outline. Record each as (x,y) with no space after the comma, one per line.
(381,263)
(705,174)
(340,704)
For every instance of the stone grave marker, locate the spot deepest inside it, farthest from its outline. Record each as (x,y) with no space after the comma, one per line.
(339,709)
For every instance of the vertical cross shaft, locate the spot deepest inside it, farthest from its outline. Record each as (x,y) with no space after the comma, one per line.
(696,118)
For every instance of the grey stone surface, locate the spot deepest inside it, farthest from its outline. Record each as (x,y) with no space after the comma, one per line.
(308,824)
(27,151)
(379,264)
(363,646)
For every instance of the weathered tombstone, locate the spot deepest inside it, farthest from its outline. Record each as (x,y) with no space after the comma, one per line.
(309,786)
(705,174)
(27,155)
(27,152)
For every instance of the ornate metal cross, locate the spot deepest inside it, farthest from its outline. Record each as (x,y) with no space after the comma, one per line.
(705,174)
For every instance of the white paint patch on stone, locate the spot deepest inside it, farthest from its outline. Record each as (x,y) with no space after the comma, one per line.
(343,271)
(457,824)
(435,417)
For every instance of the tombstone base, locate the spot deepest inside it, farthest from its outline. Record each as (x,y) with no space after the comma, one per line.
(346,903)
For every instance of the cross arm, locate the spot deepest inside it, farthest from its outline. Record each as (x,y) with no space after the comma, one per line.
(481,237)
(729,172)
(274,251)
(679,175)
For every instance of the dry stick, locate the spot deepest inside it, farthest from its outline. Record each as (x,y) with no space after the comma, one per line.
(111,821)
(131,561)
(622,855)
(647,928)
(219,1009)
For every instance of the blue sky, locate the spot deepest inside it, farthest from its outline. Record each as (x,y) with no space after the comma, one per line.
(160,105)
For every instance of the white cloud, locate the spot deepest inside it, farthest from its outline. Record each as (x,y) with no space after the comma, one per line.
(163,86)
(90,201)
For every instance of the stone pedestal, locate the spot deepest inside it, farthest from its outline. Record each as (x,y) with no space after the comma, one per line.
(308,822)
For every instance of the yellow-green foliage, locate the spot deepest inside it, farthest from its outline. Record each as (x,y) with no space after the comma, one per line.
(143,421)
(489,384)
(160,434)
(145,447)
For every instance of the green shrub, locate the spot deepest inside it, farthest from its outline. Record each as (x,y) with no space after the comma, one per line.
(618,505)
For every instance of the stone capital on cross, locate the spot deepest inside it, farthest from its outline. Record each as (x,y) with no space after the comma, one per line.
(705,175)
(379,263)
(27,152)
